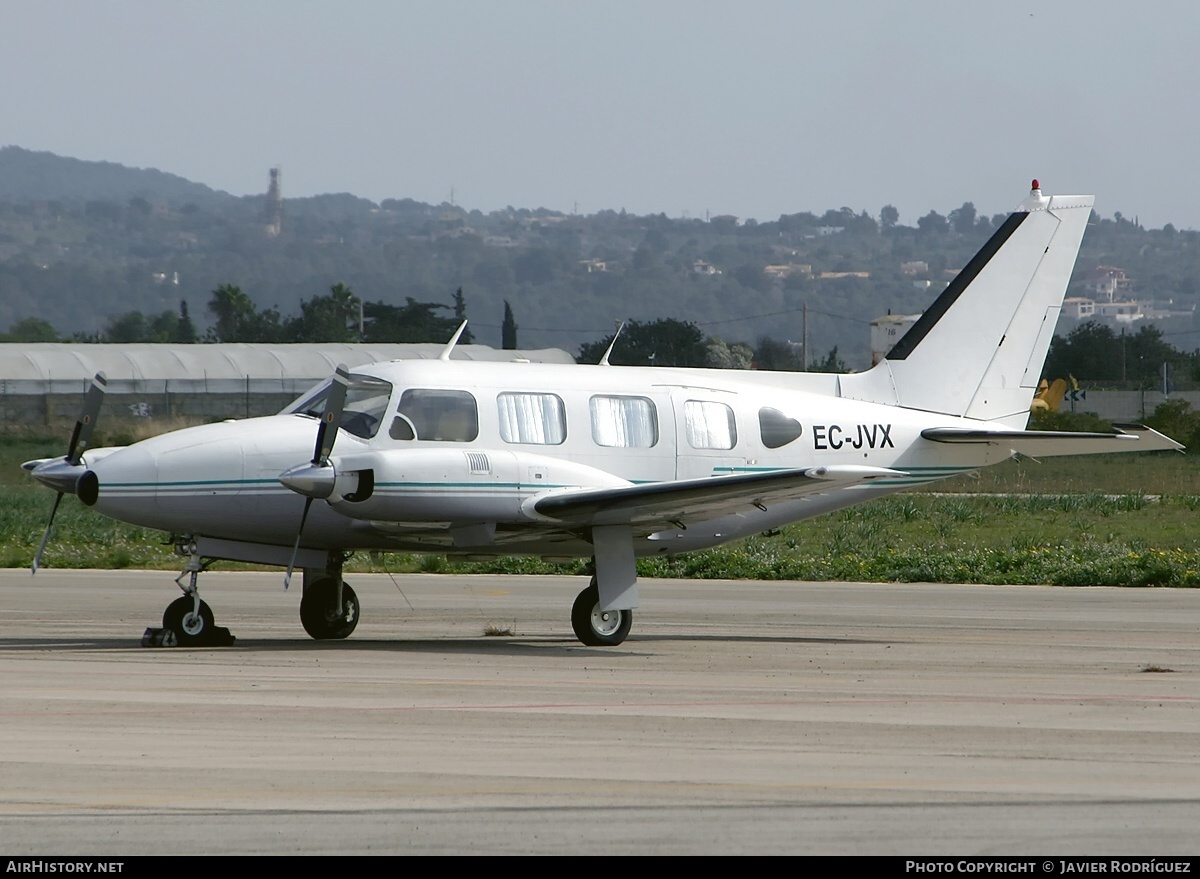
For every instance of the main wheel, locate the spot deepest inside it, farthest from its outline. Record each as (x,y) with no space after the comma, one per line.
(595,627)
(190,628)
(321,617)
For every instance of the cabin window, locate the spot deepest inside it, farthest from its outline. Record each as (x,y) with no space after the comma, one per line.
(531,418)
(366,404)
(625,422)
(439,415)
(776,428)
(709,425)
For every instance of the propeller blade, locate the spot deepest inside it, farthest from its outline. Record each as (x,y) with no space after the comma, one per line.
(81,438)
(85,426)
(287,578)
(335,402)
(37,556)
(332,416)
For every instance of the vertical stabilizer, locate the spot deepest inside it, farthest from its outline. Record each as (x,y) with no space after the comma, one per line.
(978,350)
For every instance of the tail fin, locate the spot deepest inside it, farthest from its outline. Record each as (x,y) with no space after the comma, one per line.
(978,351)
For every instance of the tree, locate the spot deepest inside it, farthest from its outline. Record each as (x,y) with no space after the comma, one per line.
(1095,352)
(775,355)
(133,327)
(508,329)
(888,216)
(162,327)
(831,363)
(725,356)
(331,318)
(126,328)
(32,329)
(185,330)
(1091,351)
(233,310)
(410,323)
(1178,420)
(932,222)
(751,276)
(460,314)
(962,219)
(664,342)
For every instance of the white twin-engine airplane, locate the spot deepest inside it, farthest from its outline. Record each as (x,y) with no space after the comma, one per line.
(603,462)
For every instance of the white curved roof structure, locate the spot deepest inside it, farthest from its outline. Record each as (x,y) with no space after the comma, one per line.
(50,367)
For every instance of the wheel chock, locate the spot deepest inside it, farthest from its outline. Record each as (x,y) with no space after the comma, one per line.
(159,638)
(219,637)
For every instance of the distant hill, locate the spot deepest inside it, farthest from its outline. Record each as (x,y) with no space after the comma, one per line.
(111,252)
(26,175)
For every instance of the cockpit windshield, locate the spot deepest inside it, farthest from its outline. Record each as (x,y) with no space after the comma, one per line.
(366,403)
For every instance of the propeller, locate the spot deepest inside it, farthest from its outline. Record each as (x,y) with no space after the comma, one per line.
(62,474)
(316,478)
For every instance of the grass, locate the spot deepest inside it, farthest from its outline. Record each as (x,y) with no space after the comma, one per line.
(1121,520)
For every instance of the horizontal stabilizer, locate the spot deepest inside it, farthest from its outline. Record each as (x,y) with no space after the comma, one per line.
(696,500)
(1048,443)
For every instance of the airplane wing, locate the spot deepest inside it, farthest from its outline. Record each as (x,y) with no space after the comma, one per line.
(695,500)
(1048,443)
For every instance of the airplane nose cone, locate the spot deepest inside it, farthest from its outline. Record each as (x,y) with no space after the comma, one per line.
(310,480)
(58,474)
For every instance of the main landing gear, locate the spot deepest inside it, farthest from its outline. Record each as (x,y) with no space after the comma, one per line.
(329,607)
(595,627)
(603,613)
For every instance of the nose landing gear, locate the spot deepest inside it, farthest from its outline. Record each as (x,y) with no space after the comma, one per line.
(188,621)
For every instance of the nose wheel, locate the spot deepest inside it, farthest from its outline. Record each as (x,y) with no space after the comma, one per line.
(193,626)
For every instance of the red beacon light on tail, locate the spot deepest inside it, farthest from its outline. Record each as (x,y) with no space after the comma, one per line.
(1036,186)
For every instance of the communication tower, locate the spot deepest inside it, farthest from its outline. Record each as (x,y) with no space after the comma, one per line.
(274,209)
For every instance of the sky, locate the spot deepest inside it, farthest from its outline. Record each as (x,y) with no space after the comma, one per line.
(754,108)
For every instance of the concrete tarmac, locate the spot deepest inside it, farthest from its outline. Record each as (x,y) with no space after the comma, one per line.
(738,718)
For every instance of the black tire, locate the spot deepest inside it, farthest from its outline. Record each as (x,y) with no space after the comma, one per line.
(319,614)
(595,627)
(191,629)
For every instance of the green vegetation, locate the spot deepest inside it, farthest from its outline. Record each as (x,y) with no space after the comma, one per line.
(1066,522)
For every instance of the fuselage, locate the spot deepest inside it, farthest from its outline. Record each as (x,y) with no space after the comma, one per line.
(445,456)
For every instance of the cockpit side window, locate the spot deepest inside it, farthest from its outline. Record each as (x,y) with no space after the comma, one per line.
(776,428)
(366,403)
(440,415)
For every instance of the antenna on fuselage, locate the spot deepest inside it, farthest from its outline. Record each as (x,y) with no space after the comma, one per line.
(445,355)
(604,359)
